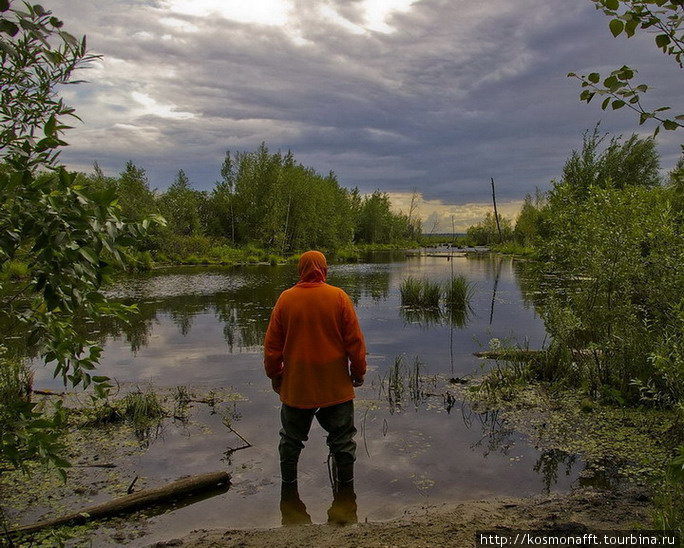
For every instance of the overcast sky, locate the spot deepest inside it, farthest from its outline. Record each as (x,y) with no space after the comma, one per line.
(438,95)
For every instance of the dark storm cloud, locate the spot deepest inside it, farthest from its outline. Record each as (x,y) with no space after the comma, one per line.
(459,92)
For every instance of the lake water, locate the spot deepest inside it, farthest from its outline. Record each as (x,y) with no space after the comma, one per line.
(203,327)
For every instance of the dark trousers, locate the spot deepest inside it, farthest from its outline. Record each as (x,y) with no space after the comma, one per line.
(336,420)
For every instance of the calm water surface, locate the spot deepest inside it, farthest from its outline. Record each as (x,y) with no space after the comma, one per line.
(203,328)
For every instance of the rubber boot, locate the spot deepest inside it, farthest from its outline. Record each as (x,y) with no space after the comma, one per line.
(288,471)
(343,474)
(292,509)
(343,508)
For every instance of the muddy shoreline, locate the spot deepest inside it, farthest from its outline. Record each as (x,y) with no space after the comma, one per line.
(581,511)
(621,448)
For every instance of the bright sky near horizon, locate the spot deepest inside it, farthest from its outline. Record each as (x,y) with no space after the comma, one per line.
(396,95)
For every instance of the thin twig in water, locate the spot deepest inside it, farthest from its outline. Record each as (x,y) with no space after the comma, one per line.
(363,428)
(247,444)
(130,487)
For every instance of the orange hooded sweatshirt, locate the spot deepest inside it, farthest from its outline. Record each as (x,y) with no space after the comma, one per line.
(314,341)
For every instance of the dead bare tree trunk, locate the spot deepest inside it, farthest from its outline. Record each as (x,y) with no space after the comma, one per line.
(131,502)
(496,214)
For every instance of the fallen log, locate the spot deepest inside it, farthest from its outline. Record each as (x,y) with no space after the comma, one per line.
(510,354)
(48,393)
(513,354)
(134,501)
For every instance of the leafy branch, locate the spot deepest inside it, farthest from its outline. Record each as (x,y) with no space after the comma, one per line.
(619,92)
(662,17)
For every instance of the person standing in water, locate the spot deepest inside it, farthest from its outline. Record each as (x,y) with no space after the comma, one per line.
(315,354)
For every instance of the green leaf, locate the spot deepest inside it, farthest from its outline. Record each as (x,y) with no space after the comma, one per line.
(8,27)
(50,126)
(594,77)
(662,40)
(670,125)
(611,83)
(605,103)
(617,104)
(4,5)
(88,255)
(611,4)
(616,26)
(7,48)
(625,73)
(630,27)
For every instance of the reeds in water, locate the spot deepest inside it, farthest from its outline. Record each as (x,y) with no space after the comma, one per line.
(458,293)
(420,293)
(142,407)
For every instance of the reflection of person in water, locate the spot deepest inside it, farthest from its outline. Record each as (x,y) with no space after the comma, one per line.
(341,512)
(315,354)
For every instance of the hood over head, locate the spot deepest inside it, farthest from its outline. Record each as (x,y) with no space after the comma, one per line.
(312,267)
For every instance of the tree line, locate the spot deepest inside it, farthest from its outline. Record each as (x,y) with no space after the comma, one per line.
(264,199)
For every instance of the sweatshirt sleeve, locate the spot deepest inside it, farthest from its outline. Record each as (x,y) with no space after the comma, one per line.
(354,342)
(273,345)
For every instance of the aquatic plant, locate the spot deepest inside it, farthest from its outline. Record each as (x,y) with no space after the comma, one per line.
(410,290)
(420,293)
(431,294)
(458,293)
(402,382)
(141,408)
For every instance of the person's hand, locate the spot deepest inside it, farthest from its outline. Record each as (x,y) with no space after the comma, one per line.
(276,384)
(357,381)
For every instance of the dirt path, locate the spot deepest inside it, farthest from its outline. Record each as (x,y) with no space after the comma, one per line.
(581,511)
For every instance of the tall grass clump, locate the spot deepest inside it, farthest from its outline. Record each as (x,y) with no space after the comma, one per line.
(410,292)
(141,408)
(458,293)
(420,293)
(431,294)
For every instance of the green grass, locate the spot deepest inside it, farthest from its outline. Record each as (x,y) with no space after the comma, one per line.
(458,293)
(141,408)
(420,293)
(410,290)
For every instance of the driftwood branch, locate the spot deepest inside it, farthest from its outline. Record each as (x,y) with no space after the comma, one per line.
(48,393)
(134,501)
(510,354)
